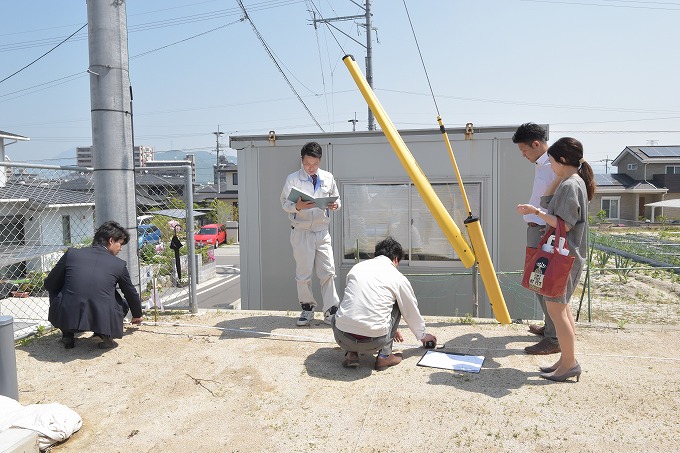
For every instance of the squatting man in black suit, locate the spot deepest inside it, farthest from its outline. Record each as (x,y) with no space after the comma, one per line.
(82,289)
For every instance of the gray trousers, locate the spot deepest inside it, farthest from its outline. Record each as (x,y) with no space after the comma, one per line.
(381,344)
(534,235)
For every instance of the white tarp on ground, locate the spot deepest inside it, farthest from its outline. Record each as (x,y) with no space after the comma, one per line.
(53,422)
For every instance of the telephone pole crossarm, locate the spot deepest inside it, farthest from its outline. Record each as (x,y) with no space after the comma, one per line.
(369,46)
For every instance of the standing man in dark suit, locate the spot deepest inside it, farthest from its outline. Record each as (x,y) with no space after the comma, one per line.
(82,289)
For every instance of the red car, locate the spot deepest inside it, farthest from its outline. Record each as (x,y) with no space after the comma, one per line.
(213,234)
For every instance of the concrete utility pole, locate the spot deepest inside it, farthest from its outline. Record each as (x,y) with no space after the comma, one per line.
(369,46)
(217,151)
(369,61)
(112,147)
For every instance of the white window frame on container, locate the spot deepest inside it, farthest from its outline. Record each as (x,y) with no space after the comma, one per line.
(673,169)
(373,210)
(632,166)
(608,209)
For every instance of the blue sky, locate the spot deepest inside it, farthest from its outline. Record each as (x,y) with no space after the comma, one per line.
(603,71)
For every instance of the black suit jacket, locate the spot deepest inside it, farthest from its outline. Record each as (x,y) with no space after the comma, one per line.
(83,295)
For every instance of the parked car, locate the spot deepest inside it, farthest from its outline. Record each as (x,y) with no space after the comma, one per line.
(213,234)
(148,234)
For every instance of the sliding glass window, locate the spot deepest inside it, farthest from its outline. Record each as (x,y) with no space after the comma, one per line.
(371,212)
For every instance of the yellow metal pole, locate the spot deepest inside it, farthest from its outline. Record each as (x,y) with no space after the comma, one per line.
(414,171)
(474,229)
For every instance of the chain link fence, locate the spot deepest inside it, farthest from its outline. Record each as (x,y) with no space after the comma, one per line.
(43,210)
(46,209)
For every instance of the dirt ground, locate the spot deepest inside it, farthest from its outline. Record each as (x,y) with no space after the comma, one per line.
(245,381)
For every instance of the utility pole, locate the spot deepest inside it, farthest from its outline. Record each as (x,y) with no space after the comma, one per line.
(354,122)
(112,145)
(217,151)
(369,61)
(369,45)
(606,164)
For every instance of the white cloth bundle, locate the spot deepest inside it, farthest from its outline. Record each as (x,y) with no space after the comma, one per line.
(53,422)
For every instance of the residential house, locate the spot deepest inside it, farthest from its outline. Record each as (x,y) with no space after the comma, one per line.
(646,174)
(37,221)
(228,185)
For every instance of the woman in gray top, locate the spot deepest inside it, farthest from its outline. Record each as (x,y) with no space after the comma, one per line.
(567,199)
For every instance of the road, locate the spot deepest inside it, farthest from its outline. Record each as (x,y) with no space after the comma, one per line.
(225,292)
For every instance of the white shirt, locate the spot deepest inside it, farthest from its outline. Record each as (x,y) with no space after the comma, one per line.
(314,219)
(372,288)
(543,177)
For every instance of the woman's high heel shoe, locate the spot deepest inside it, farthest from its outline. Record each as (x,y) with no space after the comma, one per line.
(574,371)
(547,369)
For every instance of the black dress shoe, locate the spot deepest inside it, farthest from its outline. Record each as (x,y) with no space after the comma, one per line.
(105,342)
(68,339)
(543,347)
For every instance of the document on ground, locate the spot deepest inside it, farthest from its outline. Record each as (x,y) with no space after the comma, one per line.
(446,361)
(320,202)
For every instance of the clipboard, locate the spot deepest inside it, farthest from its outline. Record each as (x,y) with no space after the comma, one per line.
(449,361)
(321,203)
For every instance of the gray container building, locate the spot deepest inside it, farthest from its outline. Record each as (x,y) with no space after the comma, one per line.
(379,199)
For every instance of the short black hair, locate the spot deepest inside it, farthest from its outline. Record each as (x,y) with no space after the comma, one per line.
(527,133)
(108,230)
(312,149)
(390,248)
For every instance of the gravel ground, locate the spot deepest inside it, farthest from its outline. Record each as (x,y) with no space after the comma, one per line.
(212,383)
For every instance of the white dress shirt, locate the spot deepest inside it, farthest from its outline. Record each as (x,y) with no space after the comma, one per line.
(543,177)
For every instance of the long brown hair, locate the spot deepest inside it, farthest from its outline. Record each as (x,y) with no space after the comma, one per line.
(569,151)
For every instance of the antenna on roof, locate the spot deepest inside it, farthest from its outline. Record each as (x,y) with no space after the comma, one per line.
(652,142)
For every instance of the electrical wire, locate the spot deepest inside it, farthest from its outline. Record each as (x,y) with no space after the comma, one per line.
(420,54)
(186,39)
(323,78)
(271,55)
(611,6)
(41,56)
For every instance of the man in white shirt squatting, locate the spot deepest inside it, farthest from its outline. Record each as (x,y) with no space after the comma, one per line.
(376,296)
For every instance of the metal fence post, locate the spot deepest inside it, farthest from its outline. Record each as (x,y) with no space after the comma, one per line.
(189,190)
(8,359)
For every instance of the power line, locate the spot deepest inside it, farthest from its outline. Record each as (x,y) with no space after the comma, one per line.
(612,6)
(186,39)
(532,104)
(41,56)
(271,55)
(146,26)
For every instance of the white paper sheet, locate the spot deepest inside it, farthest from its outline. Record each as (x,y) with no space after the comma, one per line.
(447,361)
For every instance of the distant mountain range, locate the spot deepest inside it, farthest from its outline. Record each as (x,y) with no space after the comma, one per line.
(204,161)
